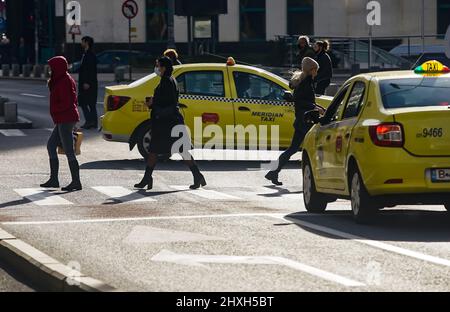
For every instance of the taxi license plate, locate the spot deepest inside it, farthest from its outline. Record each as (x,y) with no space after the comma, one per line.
(440,175)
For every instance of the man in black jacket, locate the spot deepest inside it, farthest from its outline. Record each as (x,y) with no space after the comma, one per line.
(323,79)
(88,84)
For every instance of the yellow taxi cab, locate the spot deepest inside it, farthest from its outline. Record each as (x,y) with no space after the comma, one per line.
(384,141)
(220,95)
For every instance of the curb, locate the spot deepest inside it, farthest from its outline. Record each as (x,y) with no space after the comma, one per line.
(43,271)
(23,78)
(22,123)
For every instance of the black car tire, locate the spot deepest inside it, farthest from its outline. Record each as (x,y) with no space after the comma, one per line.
(143,139)
(314,201)
(363,206)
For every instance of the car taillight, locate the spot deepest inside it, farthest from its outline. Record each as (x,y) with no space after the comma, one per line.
(116,102)
(387,135)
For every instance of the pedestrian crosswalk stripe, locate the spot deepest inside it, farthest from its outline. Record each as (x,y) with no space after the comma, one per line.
(208,194)
(13,133)
(42,197)
(123,194)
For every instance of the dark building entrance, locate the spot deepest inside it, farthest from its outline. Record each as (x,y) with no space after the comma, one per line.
(35,22)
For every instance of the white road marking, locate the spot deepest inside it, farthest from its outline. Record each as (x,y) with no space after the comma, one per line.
(207,194)
(122,194)
(13,133)
(198,260)
(369,242)
(87,221)
(33,95)
(146,234)
(42,197)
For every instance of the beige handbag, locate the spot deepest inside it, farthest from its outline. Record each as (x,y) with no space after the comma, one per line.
(78,139)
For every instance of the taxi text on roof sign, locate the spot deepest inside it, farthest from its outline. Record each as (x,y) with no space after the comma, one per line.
(432,67)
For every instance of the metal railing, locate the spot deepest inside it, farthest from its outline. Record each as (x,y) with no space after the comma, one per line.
(365,52)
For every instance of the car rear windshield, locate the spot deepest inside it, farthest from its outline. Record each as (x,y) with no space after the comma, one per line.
(416,92)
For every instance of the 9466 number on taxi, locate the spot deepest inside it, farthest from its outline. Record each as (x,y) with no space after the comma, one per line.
(431,133)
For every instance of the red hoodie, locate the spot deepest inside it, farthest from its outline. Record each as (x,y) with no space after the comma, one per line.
(63,93)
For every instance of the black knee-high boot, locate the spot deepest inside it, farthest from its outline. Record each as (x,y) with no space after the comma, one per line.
(54,169)
(199,179)
(147,181)
(75,172)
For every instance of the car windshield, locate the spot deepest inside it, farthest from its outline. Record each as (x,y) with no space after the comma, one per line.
(416,92)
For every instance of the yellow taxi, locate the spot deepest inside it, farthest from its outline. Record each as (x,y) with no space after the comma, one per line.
(384,141)
(218,95)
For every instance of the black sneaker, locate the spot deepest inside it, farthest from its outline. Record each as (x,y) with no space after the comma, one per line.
(272,176)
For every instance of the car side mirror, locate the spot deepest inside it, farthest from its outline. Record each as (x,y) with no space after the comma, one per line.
(288,96)
(312,117)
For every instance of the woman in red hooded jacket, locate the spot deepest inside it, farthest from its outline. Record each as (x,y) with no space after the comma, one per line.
(65,115)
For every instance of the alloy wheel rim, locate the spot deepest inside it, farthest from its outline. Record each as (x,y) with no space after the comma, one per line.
(356,200)
(146,141)
(307,184)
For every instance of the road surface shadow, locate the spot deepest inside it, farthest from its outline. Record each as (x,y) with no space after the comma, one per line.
(388,225)
(279,192)
(14,203)
(172,165)
(137,195)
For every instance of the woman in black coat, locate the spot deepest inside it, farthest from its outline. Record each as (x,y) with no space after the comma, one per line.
(304,100)
(166,121)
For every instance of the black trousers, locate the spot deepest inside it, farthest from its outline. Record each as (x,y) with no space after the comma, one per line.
(62,136)
(88,103)
(322,86)
(301,130)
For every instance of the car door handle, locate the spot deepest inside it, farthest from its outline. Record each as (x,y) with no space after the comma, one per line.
(182,106)
(244,109)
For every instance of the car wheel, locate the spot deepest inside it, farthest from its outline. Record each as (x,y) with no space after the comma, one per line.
(143,141)
(362,203)
(314,202)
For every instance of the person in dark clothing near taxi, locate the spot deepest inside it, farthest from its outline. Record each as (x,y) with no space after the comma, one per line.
(323,79)
(88,84)
(168,133)
(305,100)
(64,112)
(173,55)
(304,49)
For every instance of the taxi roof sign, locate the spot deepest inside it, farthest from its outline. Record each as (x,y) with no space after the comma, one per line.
(432,67)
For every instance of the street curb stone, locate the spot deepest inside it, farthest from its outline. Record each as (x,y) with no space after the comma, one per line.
(44,271)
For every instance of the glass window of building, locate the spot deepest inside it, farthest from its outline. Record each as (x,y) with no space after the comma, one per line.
(443,16)
(253,19)
(300,17)
(157,15)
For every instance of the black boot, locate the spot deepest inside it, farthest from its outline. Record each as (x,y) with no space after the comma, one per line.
(147,181)
(76,183)
(54,168)
(199,179)
(272,176)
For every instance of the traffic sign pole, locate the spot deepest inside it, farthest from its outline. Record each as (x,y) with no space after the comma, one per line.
(130,10)
(129,49)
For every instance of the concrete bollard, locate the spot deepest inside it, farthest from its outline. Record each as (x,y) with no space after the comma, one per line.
(26,70)
(5,70)
(47,71)
(37,71)
(11,112)
(15,70)
(2,105)
(119,73)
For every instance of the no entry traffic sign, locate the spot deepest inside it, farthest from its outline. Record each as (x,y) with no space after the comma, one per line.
(130,9)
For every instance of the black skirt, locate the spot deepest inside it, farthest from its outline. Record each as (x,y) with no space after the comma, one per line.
(169,136)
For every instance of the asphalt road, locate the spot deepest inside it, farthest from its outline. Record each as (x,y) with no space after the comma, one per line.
(238,234)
